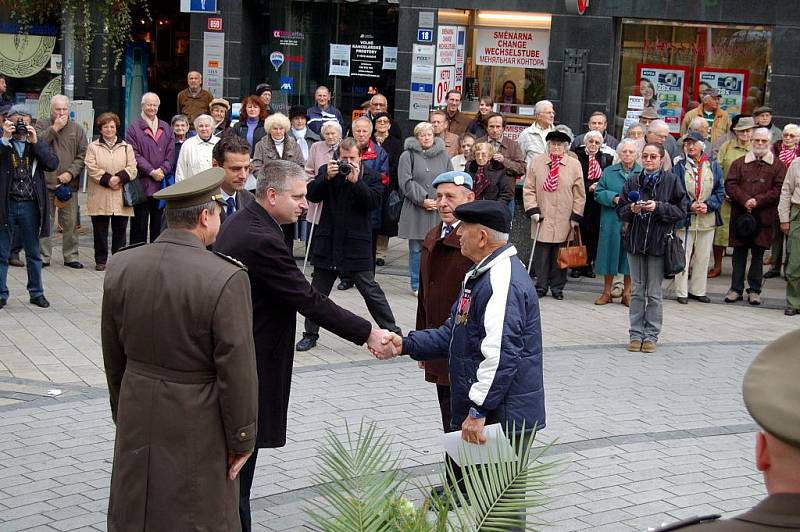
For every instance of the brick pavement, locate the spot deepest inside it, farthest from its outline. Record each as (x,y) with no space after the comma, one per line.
(644,439)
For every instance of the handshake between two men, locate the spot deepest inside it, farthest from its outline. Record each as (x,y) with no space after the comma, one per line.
(384,344)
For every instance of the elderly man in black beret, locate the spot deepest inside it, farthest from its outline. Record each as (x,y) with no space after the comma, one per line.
(495,324)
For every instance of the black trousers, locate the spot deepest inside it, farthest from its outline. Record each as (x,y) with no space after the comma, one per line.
(443,394)
(322,280)
(245,484)
(142,214)
(545,264)
(119,224)
(754,274)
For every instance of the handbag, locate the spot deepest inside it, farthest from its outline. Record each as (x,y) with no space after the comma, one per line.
(674,255)
(393,207)
(573,256)
(133,193)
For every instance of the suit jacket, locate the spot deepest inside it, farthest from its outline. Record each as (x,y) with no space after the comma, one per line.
(777,512)
(442,268)
(180,363)
(279,290)
(243,199)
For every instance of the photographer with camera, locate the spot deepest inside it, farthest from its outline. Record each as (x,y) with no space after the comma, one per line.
(342,242)
(23,198)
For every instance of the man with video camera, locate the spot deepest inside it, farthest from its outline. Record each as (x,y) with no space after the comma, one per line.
(342,242)
(23,198)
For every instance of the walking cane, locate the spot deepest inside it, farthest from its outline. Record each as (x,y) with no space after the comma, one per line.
(533,247)
(310,236)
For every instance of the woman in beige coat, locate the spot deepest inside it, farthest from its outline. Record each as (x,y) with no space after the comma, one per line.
(110,163)
(553,195)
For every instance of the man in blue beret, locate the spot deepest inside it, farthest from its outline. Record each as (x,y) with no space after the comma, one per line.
(493,336)
(442,268)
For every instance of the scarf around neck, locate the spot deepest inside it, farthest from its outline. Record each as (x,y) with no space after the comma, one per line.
(787,155)
(594,168)
(551,183)
(152,124)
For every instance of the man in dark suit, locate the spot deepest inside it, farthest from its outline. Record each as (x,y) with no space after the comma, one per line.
(232,154)
(279,290)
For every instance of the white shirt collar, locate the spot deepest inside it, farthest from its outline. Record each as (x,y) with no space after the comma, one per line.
(444,226)
(225,195)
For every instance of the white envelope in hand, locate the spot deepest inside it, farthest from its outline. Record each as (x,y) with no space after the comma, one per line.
(497,447)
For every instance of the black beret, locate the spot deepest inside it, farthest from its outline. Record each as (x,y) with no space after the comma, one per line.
(491,214)
(557,136)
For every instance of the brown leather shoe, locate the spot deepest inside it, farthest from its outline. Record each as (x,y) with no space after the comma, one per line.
(16,261)
(648,346)
(100,267)
(604,299)
(626,299)
(635,346)
(714,272)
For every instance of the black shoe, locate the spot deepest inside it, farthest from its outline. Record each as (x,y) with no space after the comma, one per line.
(558,295)
(45,264)
(771,274)
(589,272)
(14,260)
(346,284)
(306,343)
(683,300)
(575,274)
(3,303)
(789,311)
(40,301)
(75,265)
(380,262)
(701,299)
(541,293)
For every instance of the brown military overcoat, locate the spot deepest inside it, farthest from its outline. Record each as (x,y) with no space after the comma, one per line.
(180,362)
(777,512)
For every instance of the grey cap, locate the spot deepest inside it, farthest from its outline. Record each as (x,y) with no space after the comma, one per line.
(19,109)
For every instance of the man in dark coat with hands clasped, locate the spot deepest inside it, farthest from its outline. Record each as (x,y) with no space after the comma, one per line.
(279,290)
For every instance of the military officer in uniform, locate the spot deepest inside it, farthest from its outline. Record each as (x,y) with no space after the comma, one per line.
(180,363)
(772,397)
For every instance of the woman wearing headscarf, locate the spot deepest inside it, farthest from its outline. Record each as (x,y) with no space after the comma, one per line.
(553,196)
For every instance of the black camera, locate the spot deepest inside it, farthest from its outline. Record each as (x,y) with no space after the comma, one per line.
(20,128)
(344,167)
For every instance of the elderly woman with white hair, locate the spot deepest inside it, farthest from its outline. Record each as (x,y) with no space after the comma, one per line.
(424,158)
(318,156)
(593,161)
(554,196)
(611,257)
(787,149)
(196,153)
(277,144)
(153,144)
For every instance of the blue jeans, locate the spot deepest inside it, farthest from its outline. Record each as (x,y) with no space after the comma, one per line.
(646,312)
(24,219)
(414,254)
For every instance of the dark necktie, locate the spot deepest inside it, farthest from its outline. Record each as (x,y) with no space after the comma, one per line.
(447,230)
(231,201)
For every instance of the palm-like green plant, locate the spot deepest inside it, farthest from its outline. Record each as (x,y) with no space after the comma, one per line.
(359,486)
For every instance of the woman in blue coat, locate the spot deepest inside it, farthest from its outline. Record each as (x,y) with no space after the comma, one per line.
(611,258)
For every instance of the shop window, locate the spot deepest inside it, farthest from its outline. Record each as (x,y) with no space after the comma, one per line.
(671,65)
(503,56)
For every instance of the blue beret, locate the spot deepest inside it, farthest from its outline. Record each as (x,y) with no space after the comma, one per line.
(454,176)
(492,214)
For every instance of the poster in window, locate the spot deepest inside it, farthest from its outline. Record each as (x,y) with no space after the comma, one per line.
(512,47)
(665,88)
(446,45)
(444,81)
(366,57)
(730,83)
(340,60)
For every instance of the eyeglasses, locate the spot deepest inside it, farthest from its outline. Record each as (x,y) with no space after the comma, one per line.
(790,135)
(648,156)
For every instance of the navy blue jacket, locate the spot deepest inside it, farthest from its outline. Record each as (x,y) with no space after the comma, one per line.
(493,339)
(714,201)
